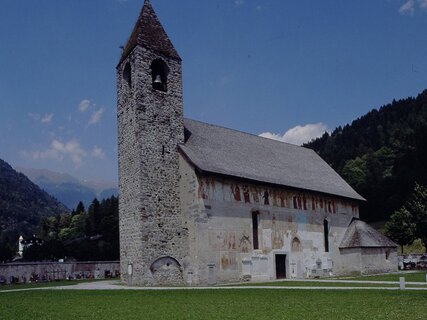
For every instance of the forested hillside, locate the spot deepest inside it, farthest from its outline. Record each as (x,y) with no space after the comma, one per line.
(84,235)
(381,155)
(22,204)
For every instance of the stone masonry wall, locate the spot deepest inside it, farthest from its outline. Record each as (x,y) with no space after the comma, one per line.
(49,271)
(153,234)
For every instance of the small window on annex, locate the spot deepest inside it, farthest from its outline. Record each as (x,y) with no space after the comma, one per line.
(159,74)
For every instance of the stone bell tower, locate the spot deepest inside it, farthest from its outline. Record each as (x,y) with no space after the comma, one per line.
(153,237)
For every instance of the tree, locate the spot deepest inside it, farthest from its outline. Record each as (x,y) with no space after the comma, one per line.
(80,209)
(417,207)
(6,252)
(400,228)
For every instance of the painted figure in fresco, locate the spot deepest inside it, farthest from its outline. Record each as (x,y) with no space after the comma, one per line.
(245,243)
(299,202)
(304,200)
(255,195)
(202,191)
(266,200)
(224,262)
(294,198)
(353,209)
(246,194)
(273,197)
(236,193)
(232,241)
(277,240)
(296,245)
(313,204)
(282,199)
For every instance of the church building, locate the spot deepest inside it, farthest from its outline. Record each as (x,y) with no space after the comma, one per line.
(201,204)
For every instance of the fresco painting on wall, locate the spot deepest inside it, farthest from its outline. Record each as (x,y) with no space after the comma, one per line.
(213,189)
(236,193)
(246,194)
(245,243)
(228,261)
(266,200)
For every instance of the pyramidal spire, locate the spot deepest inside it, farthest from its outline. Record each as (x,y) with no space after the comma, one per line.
(148,32)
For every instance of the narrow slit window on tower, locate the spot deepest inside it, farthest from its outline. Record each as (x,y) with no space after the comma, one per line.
(159,74)
(326,234)
(255,229)
(127,74)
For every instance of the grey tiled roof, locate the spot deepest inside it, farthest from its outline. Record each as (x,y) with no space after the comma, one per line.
(229,152)
(361,235)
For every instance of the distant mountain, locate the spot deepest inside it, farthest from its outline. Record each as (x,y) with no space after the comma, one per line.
(22,204)
(68,189)
(381,155)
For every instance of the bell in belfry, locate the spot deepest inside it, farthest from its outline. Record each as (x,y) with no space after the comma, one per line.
(158,83)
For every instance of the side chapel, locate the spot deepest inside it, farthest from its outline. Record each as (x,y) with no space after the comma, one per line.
(202,204)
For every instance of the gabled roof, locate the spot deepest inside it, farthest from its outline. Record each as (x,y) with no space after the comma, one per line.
(361,235)
(214,149)
(149,33)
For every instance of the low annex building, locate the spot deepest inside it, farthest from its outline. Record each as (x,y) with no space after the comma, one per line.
(203,204)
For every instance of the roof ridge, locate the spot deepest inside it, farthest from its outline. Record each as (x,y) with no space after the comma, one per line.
(251,134)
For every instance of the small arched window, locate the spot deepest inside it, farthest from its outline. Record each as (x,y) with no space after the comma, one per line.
(326,234)
(159,74)
(127,74)
(255,229)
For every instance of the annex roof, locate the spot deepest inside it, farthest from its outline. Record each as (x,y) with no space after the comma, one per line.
(148,32)
(359,234)
(214,149)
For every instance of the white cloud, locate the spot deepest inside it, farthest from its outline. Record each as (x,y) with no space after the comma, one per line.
(97,152)
(238,3)
(84,105)
(423,4)
(34,116)
(299,134)
(408,7)
(59,151)
(96,116)
(47,118)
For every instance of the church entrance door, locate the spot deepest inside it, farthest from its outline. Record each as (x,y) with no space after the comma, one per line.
(280,266)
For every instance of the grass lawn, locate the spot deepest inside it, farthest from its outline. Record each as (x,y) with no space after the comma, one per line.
(324,284)
(409,277)
(42,284)
(214,304)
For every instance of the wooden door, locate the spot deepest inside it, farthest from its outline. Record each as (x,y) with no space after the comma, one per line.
(280,266)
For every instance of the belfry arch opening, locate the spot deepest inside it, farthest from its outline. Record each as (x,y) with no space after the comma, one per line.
(159,75)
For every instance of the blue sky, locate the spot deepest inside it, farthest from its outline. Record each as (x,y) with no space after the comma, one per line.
(288,69)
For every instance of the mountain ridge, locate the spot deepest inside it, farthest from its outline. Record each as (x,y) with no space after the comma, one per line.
(69,189)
